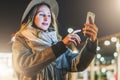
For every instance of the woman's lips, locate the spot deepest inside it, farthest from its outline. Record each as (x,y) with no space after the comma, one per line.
(44,24)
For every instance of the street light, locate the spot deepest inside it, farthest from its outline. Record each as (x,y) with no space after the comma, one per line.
(115,54)
(107,42)
(70,30)
(114,39)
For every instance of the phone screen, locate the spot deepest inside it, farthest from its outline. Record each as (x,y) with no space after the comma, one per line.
(90,17)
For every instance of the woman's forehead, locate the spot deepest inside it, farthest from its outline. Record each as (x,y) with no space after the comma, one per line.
(43,8)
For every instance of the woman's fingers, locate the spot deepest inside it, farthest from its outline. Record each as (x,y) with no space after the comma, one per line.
(73,41)
(76,31)
(93,26)
(91,30)
(85,30)
(76,38)
(72,38)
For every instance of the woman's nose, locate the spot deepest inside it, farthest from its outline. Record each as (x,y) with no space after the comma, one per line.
(45,18)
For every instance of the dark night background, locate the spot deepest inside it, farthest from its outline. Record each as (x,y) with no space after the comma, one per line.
(72,14)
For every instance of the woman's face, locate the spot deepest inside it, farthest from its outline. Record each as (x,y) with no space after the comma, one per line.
(43,18)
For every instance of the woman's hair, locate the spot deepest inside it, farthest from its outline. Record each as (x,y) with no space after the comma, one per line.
(29,19)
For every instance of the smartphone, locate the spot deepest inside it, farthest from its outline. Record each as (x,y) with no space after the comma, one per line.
(90,19)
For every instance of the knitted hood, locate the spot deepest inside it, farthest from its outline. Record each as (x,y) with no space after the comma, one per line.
(52,3)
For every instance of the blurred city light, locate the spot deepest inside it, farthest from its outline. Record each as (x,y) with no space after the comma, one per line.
(70,30)
(98,56)
(113,61)
(98,48)
(103,70)
(102,59)
(118,4)
(113,39)
(115,54)
(107,42)
(118,45)
(6,68)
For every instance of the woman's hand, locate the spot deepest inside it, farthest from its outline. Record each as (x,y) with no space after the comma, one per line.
(72,38)
(91,30)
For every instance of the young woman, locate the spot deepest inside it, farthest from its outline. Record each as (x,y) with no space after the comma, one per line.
(38,53)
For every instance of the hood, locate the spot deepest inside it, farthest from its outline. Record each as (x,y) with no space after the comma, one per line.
(52,3)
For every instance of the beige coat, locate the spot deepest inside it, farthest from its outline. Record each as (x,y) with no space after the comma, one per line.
(38,60)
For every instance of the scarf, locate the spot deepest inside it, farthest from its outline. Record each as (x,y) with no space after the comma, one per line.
(38,39)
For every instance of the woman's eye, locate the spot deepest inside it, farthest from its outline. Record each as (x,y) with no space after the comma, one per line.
(49,15)
(41,14)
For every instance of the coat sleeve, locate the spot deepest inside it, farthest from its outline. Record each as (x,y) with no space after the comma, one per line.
(71,62)
(29,63)
(84,58)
